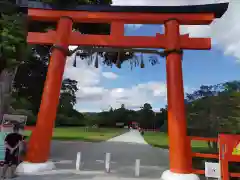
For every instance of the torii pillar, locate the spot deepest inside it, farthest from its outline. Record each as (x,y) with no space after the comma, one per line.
(179,146)
(50,99)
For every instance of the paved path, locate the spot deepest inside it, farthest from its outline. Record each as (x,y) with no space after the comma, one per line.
(124,149)
(93,154)
(132,136)
(82,176)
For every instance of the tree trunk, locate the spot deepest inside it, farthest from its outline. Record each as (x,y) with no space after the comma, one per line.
(6,83)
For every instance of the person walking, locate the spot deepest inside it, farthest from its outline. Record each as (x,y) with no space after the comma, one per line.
(141,130)
(12,143)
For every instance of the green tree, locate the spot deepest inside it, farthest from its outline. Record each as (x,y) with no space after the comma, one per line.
(121,115)
(67,115)
(160,118)
(213,110)
(164,126)
(30,78)
(146,116)
(12,51)
(67,96)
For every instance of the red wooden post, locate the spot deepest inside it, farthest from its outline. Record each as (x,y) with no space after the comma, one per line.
(39,145)
(228,143)
(223,158)
(179,144)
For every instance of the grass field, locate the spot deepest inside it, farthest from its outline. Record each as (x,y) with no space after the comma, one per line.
(83,134)
(160,139)
(156,139)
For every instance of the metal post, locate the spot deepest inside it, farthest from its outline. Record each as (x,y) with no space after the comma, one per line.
(137,167)
(107,162)
(78,161)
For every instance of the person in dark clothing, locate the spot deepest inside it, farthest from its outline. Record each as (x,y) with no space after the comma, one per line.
(22,149)
(12,143)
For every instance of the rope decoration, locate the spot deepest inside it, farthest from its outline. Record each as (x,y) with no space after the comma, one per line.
(166,52)
(163,54)
(142,65)
(91,56)
(75,61)
(59,47)
(96,61)
(118,63)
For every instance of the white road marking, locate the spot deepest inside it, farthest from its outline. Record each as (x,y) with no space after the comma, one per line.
(65,162)
(62,161)
(67,171)
(102,161)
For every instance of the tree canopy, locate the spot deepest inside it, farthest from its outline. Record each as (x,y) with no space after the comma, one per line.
(215,109)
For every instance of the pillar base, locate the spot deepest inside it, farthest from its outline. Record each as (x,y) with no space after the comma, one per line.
(168,175)
(32,168)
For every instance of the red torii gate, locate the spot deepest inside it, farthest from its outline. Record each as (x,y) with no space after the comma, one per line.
(171,41)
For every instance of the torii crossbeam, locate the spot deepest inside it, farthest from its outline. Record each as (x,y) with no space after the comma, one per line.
(172,17)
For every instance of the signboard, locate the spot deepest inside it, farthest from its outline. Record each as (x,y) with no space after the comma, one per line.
(16,118)
(119,124)
(236,151)
(10,120)
(229,152)
(212,170)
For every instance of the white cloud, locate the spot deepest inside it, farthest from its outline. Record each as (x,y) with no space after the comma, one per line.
(100,98)
(163,2)
(86,75)
(133,97)
(224,31)
(109,75)
(91,91)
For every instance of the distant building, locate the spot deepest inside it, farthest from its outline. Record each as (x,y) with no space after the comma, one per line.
(134,125)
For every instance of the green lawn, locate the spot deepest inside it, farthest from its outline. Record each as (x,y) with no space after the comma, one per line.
(80,133)
(157,139)
(160,139)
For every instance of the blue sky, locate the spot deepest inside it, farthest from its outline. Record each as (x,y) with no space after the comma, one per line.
(104,87)
(199,66)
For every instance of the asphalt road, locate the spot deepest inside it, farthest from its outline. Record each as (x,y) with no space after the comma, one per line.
(123,155)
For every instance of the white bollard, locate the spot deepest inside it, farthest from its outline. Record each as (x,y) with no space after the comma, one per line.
(78,161)
(107,162)
(137,167)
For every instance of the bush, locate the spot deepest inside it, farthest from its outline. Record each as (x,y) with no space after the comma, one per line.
(63,120)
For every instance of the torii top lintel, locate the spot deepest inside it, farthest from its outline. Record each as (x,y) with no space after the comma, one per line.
(186,15)
(120,15)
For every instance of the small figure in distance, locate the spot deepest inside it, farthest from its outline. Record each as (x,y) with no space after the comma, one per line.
(141,131)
